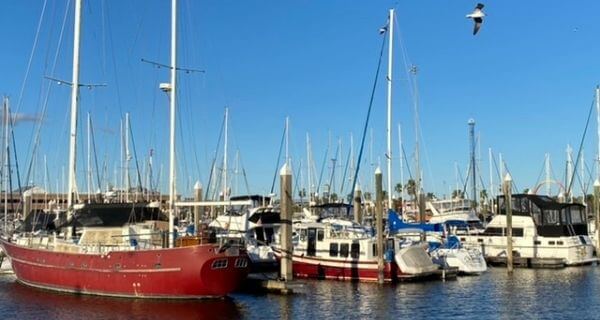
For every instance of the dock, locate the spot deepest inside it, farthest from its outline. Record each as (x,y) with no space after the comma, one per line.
(521,262)
(269,283)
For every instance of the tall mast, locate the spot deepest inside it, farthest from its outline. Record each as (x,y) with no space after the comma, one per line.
(389,106)
(6,163)
(74,99)
(473,163)
(309,164)
(89,157)
(418,186)
(127,158)
(548,176)
(582,173)
(569,172)
(598,125)
(491,174)
(225,154)
(172,122)
(401,155)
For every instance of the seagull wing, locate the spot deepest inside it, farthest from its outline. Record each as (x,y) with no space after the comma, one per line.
(478,22)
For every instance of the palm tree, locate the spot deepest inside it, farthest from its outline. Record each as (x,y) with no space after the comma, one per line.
(483,194)
(411,188)
(398,188)
(458,194)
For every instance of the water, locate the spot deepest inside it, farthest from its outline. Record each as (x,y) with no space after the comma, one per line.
(539,294)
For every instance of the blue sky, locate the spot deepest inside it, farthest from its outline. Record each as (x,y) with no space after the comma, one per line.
(527,78)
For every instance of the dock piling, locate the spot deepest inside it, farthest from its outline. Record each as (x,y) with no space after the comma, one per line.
(508,204)
(357,207)
(197,209)
(379,223)
(286,222)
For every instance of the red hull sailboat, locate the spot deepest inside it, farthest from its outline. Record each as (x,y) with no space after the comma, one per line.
(187,272)
(101,267)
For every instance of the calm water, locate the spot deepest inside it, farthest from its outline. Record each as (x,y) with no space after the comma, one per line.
(539,294)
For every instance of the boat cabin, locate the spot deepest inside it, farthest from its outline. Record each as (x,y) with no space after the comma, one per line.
(551,218)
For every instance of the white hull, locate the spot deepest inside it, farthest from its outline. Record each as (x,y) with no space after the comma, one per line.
(570,250)
(467,260)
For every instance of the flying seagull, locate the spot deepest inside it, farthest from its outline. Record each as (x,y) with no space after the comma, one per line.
(477,16)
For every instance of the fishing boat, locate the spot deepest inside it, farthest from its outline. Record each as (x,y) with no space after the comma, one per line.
(97,264)
(545,233)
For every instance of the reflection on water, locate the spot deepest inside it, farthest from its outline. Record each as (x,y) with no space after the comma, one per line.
(540,294)
(21,302)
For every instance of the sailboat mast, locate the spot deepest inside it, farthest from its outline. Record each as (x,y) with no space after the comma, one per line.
(74,99)
(127,158)
(389,106)
(89,157)
(598,125)
(172,122)
(492,192)
(401,155)
(308,167)
(225,154)
(6,164)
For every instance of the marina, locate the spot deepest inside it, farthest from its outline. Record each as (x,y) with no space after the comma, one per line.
(529,293)
(179,197)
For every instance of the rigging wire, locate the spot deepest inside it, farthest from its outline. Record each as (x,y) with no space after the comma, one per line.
(364,135)
(568,191)
(278,159)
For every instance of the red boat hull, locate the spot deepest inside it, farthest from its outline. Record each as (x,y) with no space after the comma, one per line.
(346,270)
(185,272)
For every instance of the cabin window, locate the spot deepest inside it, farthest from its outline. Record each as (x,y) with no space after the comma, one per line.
(320,234)
(333,249)
(560,243)
(302,234)
(576,216)
(269,235)
(551,217)
(537,242)
(260,236)
(374,249)
(355,250)
(551,243)
(344,250)
(491,231)
(219,264)
(517,232)
(241,263)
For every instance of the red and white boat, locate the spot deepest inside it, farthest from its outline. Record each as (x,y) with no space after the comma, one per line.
(342,250)
(198,271)
(119,261)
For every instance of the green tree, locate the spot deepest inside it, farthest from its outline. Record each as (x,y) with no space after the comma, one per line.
(411,188)
(333,197)
(430,196)
(368,196)
(458,194)
(398,188)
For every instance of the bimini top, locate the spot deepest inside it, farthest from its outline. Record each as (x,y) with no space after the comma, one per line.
(522,204)
(333,209)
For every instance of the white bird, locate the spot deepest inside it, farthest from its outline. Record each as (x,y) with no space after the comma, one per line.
(477,16)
